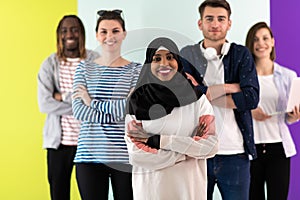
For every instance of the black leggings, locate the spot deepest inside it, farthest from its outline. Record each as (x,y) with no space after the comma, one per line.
(60,166)
(273,168)
(93,181)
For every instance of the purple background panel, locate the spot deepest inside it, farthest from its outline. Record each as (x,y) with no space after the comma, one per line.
(285,24)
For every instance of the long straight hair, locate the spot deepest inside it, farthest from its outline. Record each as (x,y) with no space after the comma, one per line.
(59,43)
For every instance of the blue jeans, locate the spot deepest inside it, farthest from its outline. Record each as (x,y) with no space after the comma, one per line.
(231,173)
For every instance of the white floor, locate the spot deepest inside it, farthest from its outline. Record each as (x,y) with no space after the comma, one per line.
(217,195)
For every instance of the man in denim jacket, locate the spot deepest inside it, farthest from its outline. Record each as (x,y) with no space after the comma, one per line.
(226,73)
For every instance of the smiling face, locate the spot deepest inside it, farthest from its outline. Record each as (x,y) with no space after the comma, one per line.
(263,43)
(69,31)
(164,66)
(110,35)
(214,24)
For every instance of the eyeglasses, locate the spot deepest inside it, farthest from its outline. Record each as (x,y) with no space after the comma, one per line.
(104,12)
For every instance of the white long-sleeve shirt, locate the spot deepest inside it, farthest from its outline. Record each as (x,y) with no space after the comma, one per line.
(178,169)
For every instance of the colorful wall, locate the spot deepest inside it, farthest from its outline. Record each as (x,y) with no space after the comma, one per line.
(28,37)
(286,32)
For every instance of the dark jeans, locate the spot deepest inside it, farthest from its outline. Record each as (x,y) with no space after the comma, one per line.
(231,173)
(93,181)
(273,168)
(60,166)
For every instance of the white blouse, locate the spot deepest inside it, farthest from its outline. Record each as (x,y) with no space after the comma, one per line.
(178,169)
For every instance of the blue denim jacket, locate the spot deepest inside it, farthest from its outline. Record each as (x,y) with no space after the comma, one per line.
(239,68)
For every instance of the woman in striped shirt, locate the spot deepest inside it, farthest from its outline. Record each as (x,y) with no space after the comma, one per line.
(101,89)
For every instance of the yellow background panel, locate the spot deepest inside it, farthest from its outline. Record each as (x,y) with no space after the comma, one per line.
(27,38)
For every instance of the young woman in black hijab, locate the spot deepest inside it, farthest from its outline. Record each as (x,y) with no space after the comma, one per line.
(170,129)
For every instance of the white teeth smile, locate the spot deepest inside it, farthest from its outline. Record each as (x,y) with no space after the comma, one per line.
(70,41)
(110,42)
(260,49)
(165,71)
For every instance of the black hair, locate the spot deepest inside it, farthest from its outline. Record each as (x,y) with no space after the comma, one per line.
(59,43)
(111,15)
(215,4)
